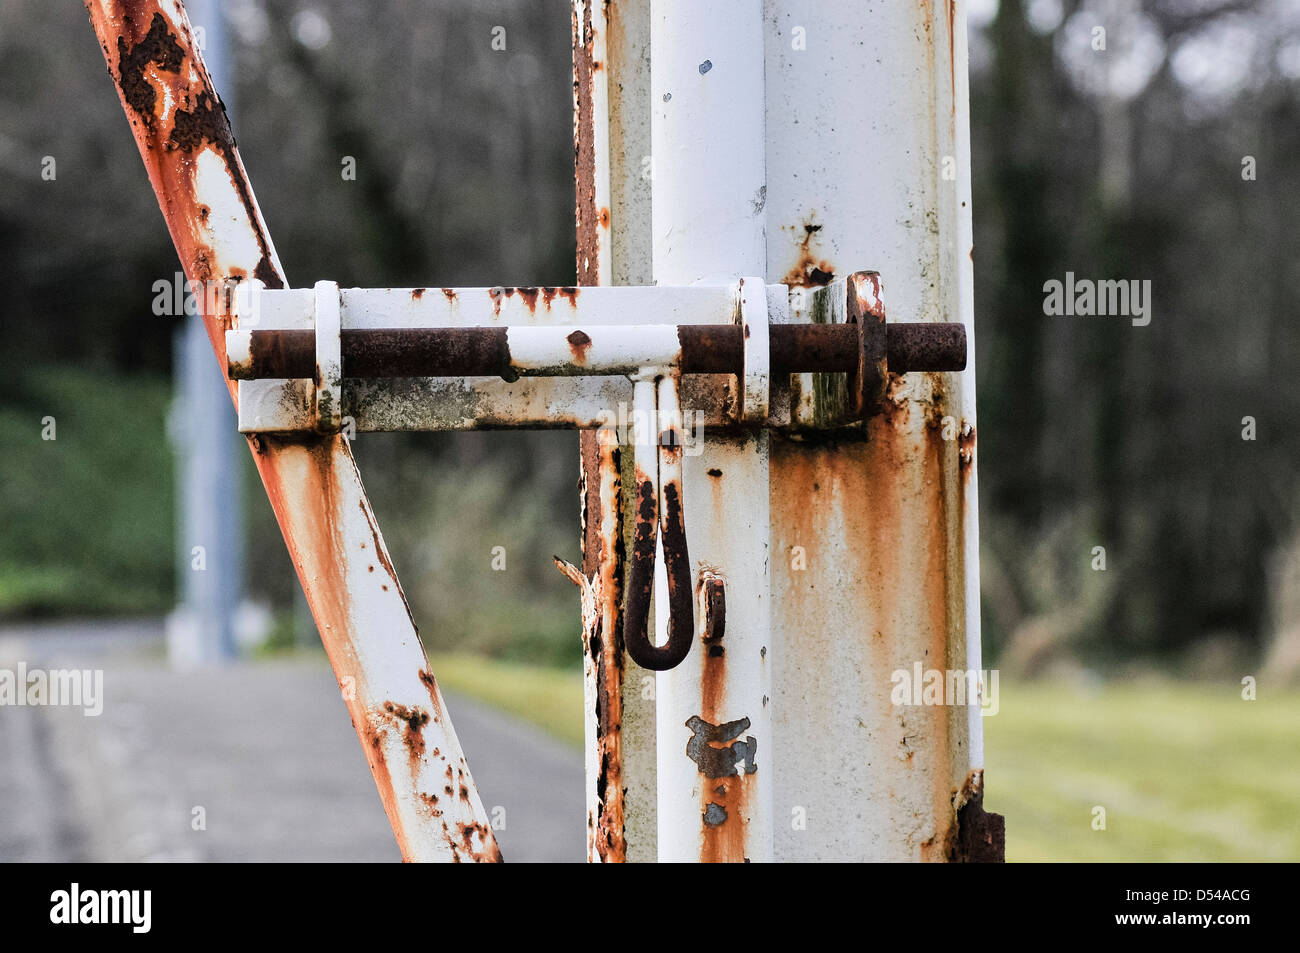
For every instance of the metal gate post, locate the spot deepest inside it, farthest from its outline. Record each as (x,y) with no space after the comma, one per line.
(885,574)
(874,530)
(397,710)
(610,714)
(708,194)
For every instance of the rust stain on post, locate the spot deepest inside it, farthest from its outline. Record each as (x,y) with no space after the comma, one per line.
(579,345)
(887,494)
(978,836)
(725,755)
(809,271)
(602,574)
(966,448)
(530,297)
(303,488)
(952,54)
(415,718)
(600,581)
(584,148)
(602,560)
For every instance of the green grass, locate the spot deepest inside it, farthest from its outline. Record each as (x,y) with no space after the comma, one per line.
(1185,772)
(550,698)
(85,518)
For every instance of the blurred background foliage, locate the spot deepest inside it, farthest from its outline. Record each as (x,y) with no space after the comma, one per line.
(1126,163)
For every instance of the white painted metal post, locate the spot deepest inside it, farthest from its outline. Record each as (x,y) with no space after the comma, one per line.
(875,547)
(713,716)
(874,534)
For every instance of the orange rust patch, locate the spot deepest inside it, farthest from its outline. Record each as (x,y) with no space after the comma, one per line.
(435,704)
(380,553)
(977,836)
(724,801)
(602,564)
(579,345)
(809,271)
(723,821)
(488,852)
(887,497)
(309,461)
(430,802)
(966,445)
(170,128)
(584,147)
(713,681)
(415,718)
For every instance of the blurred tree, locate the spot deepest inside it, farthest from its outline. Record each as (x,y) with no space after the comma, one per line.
(1129,162)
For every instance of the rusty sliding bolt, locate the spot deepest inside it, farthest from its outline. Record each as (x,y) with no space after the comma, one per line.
(658,513)
(486,351)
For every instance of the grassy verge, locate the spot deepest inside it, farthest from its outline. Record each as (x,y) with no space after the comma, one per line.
(1185,772)
(547,697)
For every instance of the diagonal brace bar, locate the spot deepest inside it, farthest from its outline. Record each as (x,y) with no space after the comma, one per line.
(396,707)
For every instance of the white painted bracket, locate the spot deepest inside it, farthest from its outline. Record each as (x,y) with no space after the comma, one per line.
(329,358)
(756,381)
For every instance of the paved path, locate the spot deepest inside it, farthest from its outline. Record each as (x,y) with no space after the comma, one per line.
(263,753)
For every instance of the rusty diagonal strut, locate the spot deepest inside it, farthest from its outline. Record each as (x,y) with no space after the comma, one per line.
(184,138)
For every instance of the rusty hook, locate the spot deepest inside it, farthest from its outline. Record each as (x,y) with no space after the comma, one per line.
(658,513)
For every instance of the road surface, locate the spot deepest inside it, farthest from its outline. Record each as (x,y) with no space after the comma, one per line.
(255,761)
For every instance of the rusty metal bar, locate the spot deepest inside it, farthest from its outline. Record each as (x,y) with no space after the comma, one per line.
(488,351)
(396,707)
(559,357)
